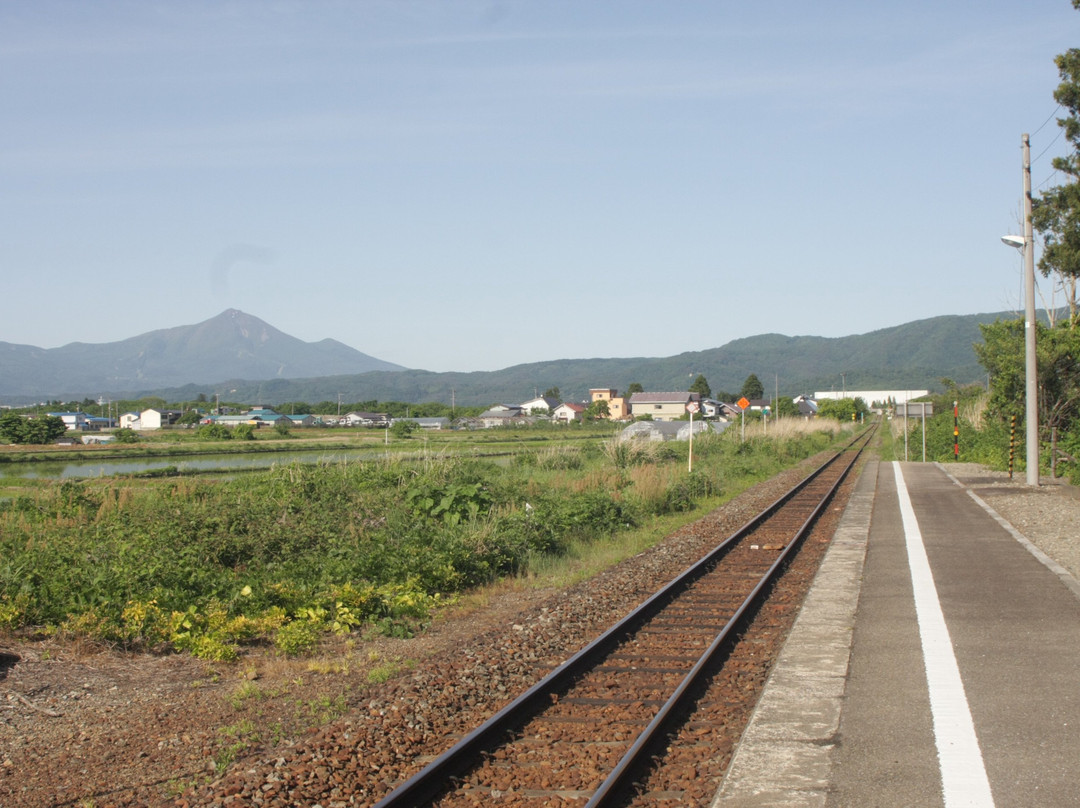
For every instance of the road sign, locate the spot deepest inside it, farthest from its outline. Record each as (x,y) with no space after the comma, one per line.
(743,403)
(692,407)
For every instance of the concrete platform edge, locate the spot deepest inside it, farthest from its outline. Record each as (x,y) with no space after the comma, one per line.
(783,758)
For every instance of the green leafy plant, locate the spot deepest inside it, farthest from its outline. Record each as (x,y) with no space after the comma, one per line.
(297,637)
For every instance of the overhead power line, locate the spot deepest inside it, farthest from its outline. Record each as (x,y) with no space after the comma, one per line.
(1044,123)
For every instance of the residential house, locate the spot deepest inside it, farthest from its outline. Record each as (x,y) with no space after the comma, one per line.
(73,420)
(616,404)
(711,408)
(540,403)
(568,412)
(807,406)
(379,420)
(662,406)
(83,422)
(502,415)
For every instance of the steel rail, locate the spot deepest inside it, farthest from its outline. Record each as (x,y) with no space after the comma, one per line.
(621,777)
(429,782)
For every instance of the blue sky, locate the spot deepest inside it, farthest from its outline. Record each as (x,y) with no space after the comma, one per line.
(473,185)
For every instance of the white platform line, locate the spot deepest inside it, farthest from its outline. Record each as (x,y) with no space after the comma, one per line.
(963,773)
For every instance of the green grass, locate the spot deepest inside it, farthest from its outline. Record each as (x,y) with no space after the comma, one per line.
(207,566)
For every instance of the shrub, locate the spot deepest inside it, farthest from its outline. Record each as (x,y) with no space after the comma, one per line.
(403,429)
(213,432)
(297,637)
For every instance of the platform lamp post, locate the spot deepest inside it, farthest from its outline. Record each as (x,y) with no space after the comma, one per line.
(1026,245)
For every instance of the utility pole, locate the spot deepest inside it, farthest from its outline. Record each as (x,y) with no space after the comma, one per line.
(1031,401)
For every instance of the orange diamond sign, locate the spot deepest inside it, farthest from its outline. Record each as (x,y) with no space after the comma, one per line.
(743,403)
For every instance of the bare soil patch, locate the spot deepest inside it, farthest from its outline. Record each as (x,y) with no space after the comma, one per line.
(87,726)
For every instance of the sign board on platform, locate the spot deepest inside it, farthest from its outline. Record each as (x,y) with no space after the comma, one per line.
(914,409)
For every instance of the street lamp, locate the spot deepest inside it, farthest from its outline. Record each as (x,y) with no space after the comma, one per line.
(1026,245)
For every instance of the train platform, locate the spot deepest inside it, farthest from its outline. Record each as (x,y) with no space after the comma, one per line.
(935,662)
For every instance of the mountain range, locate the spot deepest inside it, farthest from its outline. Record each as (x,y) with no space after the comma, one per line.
(243,359)
(229,346)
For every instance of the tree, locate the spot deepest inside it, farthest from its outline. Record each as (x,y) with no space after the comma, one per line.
(126,435)
(11,427)
(842,409)
(14,428)
(244,432)
(753,388)
(635,387)
(1057,371)
(785,407)
(597,410)
(403,429)
(701,386)
(553,392)
(1056,213)
(213,432)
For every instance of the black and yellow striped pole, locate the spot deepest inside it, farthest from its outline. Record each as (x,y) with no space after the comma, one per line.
(956,429)
(1012,442)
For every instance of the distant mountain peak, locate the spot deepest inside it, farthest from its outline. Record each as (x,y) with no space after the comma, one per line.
(231,345)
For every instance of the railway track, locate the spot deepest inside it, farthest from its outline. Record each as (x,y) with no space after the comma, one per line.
(616,724)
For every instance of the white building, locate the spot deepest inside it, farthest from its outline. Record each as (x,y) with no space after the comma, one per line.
(73,420)
(156,419)
(567,412)
(540,403)
(872,397)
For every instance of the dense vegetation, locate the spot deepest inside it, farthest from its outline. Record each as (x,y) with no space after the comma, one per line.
(285,555)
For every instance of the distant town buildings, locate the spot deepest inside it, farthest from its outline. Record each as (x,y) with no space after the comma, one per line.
(660,409)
